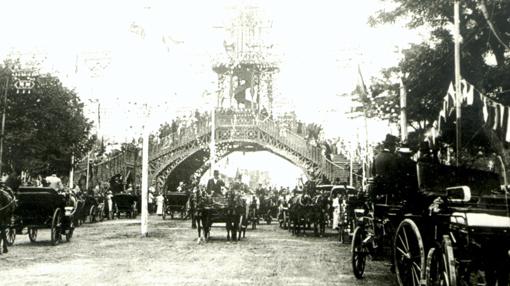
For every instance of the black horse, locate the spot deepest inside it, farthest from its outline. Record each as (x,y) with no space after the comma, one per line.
(199,200)
(319,213)
(229,209)
(7,206)
(236,208)
(300,211)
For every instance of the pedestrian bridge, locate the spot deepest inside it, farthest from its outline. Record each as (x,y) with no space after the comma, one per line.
(176,157)
(180,155)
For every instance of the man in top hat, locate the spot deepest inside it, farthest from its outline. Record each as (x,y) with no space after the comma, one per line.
(385,167)
(215,184)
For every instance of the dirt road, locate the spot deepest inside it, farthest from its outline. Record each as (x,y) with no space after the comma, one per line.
(113,253)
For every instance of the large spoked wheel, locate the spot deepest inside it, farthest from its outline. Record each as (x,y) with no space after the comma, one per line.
(32,234)
(432,268)
(11,236)
(409,254)
(56,227)
(359,252)
(447,266)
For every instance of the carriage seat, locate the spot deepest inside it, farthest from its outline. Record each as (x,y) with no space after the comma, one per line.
(480,220)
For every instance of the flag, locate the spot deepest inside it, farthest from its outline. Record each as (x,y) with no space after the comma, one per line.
(495,106)
(451,92)
(362,85)
(508,126)
(468,92)
(484,109)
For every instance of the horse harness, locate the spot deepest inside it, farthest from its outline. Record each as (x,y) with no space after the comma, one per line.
(12,201)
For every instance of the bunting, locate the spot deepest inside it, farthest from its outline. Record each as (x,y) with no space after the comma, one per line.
(495,114)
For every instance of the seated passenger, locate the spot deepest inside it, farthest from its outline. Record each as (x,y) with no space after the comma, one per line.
(215,184)
(384,169)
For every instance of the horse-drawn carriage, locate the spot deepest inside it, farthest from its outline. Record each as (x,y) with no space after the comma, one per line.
(267,209)
(125,203)
(175,202)
(311,208)
(453,228)
(93,209)
(42,208)
(229,209)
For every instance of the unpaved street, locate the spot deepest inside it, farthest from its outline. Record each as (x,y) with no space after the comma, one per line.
(112,253)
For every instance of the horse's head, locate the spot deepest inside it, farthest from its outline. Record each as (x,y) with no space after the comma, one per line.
(306,200)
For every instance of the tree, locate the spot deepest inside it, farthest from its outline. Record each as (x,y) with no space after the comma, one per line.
(428,67)
(44,128)
(485,32)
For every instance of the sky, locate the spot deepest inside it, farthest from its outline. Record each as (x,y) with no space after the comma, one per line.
(318,46)
(112,53)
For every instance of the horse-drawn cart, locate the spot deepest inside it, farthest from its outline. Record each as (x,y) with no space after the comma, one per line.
(93,209)
(125,203)
(229,210)
(175,202)
(42,208)
(452,230)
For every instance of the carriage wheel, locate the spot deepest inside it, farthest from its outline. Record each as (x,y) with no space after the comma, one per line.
(56,225)
(133,211)
(100,213)
(447,265)
(32,234)
(11,236)
(268,218)
(409,253)
(69,234)
(2,246)
(92,214)
(432,268)
(359,252)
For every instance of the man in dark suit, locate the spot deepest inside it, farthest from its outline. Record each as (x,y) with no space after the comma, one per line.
(385,168)
(214,184)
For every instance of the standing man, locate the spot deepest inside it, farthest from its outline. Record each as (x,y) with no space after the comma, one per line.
(214,184)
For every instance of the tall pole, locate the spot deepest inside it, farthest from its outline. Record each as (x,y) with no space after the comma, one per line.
(351,166)
(145,175)
(458,96)
(403,112)
(212,146)
(71,173)
(3,125)
(88,172)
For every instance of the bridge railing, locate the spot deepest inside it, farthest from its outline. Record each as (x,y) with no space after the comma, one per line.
(185,136)
(231,118)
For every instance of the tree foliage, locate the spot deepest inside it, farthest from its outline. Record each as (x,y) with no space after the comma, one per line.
(43,128)
(428,68)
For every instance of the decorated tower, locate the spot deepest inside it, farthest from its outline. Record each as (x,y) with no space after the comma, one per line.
(246,68)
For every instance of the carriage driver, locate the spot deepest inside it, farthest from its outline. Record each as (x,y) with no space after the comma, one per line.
(215,184)
(385,168)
